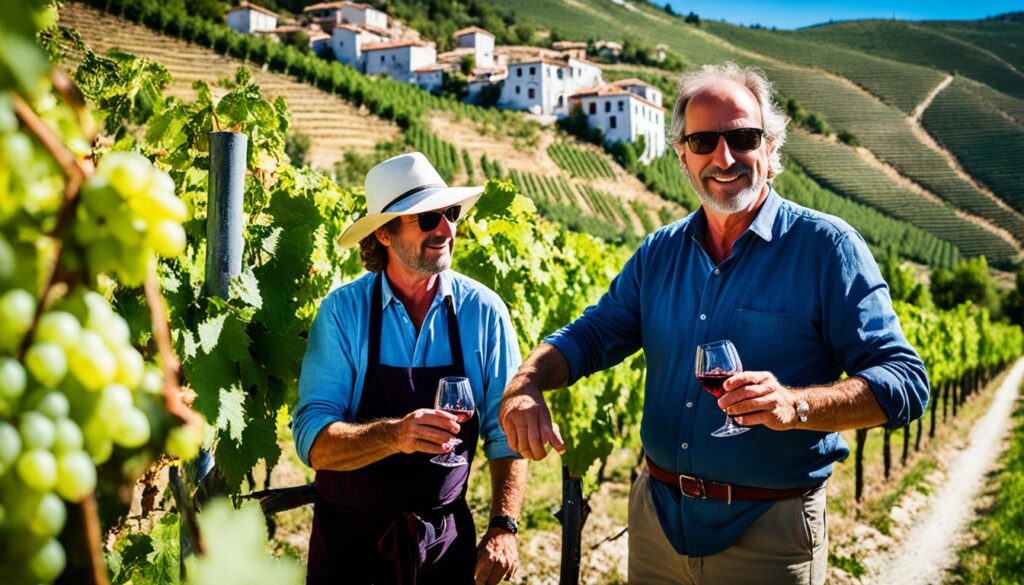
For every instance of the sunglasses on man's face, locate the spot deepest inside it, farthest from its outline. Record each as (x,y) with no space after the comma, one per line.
(429,220)
(739,140)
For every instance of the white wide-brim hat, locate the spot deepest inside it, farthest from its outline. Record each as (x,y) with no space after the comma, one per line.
(405,185)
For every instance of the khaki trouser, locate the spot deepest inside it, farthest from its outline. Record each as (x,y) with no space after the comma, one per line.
(788,544)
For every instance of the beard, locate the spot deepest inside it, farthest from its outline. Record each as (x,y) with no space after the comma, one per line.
(723,203)
(423,259)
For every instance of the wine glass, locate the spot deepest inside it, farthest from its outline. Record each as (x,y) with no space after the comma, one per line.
(716,362)
(454,395)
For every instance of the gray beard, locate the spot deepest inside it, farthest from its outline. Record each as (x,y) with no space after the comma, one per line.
(417,259)
(743,200)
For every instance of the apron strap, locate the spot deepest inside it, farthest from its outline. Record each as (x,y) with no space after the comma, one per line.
(454,337)
(376,319)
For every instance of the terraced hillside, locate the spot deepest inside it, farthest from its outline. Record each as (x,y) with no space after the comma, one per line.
(989,142)
(875,106)
(948,50)
(335,126)
(332,124)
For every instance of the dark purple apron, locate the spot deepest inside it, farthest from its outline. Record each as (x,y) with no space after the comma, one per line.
(401,520)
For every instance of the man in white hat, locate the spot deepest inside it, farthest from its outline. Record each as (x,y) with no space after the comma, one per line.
(387,509)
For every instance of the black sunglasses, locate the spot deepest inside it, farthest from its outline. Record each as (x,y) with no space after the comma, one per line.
(428,220)
(740,140)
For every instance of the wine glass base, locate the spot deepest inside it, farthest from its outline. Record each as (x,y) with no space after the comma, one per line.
(728,431)
(448,461)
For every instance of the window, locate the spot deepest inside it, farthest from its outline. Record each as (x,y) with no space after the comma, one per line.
(517,90)
(548,72)
(622,104)
(393,58)
(593,108)
(607,106)
(612,121)
(561,101)
(560,74)
(530,93)
(519,72)
(533,71)
(382,59)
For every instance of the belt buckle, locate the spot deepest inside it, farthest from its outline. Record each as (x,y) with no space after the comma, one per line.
(701,493)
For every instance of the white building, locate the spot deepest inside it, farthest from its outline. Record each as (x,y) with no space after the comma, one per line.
(482,77)
(320,43)
(623,117)
(641,88)
(431,77)
(330,14)
(249,18)
(482,43)
(347,42)
(571,49)
(398,59)
(543,86)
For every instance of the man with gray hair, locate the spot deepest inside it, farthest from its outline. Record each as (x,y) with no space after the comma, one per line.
(798,294)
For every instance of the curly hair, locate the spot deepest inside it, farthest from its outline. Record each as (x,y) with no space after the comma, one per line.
(772,116)
(372,253)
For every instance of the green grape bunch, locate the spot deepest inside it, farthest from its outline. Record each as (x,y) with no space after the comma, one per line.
(75,393)
(128,215)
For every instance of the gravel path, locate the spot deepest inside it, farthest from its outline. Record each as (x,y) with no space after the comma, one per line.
(929,548)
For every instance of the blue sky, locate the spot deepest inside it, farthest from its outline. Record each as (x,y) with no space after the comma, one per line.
(794,14)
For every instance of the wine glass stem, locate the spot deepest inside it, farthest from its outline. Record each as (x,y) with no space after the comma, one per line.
(729,423)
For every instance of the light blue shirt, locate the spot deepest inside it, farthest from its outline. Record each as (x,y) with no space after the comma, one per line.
(801,297)
(334,366)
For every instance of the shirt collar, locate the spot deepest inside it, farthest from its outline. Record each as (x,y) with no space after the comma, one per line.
(763,224)
(444,289)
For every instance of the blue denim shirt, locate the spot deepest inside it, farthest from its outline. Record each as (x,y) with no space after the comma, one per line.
(334,366)
(801,297)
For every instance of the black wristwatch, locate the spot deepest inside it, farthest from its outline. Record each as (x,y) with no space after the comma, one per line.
(505,523)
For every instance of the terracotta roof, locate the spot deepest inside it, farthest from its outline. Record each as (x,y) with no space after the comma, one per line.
(317,36)
(330,5)
(323,6)
(543,60)
(350,27)
(281,30)
(381,32)
(392,45)
(431,68)
(470,30)
(612,90)
(569,45)
(634,82)
(248,6)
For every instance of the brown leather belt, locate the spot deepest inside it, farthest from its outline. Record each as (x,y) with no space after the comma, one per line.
(704,489)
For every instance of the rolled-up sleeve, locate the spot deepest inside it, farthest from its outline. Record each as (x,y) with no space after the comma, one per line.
(608,332)
(501,362)
(325,384)
(864,332)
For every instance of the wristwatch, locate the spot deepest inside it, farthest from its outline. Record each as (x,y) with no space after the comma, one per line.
(801,410)
(505,523)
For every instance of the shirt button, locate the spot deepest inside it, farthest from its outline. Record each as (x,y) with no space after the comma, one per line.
(703,317)
(685,445)
(717,271)
(689,405)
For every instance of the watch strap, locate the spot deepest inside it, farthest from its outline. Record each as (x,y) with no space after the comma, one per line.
(505,523)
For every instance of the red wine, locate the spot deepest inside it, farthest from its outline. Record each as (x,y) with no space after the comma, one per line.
(713,383)
(460,415)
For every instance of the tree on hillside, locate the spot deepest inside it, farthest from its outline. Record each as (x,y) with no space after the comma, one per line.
(970,281)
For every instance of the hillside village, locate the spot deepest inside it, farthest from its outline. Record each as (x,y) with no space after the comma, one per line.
(548,83)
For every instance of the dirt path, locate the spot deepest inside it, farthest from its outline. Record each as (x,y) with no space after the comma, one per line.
(928,549)
(927,101)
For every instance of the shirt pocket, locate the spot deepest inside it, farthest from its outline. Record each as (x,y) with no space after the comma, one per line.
(761,338)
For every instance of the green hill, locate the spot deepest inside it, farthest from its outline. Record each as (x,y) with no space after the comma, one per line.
(924,101)
(943,48)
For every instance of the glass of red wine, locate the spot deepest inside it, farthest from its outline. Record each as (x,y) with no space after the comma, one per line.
(454,395)
(717,362)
